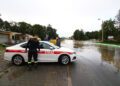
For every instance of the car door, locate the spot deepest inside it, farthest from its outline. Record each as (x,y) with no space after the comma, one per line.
(46,54)
(23,52)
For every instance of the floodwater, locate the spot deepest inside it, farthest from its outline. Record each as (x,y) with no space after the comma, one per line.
(97,53)
(96,65)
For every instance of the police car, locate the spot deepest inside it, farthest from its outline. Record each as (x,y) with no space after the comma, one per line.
(48,53)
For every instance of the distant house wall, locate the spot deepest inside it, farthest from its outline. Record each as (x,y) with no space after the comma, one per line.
(13,37)
(5,37)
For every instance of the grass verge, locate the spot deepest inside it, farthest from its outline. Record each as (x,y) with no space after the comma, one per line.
(2,47)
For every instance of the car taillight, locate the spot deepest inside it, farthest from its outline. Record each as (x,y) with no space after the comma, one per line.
(6,50)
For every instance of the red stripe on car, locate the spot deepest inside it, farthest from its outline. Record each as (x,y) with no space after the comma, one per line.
(60,52)
(39,52)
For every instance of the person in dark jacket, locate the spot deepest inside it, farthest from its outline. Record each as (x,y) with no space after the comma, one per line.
(58,42)
(33,45)
(46,38)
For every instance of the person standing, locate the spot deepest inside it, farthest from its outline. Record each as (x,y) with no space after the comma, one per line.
(46,38)
(58,42)
(53,41)
(33,45)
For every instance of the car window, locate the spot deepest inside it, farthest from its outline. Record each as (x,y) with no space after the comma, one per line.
(44,45)
(24,45)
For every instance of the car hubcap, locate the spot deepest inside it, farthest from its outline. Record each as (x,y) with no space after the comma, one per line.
(65,60)
(18,60)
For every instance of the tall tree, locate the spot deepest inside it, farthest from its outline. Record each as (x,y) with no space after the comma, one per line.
(24,27)
(6,26)
(79,35)
(1,23)
(76,35)
(109,29)
(51,32)
(39,30)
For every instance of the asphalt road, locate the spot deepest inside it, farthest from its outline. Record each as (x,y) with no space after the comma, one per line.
(96,66)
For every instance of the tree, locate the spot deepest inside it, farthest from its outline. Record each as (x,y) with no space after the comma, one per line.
(79,35)
(39,30)
(6,26)
(14,27)
(1,23)
(76,35)
(51,32)
(25,28)
(92,35)
(109,29)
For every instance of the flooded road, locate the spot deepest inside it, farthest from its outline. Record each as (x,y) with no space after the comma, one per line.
(97,65)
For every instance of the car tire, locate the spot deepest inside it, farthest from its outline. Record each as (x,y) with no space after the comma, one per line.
(17,60)
(64,59)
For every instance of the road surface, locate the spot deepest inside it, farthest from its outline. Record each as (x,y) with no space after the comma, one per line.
(97,65)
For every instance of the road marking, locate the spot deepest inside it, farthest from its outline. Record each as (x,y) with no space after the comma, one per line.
(69,77)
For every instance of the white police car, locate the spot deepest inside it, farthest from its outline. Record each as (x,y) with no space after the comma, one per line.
(48,53)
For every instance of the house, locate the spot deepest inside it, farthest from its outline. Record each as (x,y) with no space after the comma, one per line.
(5,37)
(13,37)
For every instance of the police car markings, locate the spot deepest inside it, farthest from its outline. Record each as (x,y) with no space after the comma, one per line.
(40,52)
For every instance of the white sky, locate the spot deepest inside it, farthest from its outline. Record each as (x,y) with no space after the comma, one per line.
(64,15)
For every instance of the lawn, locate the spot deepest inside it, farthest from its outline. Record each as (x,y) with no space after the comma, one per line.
(111,42)
(2,47)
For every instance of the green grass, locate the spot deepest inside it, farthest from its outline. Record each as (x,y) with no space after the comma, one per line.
(108,43)
(111,42)
(2,47)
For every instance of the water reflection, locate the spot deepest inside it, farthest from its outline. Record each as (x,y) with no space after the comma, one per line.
(110,55)
(117,58)
(78,44)
(107,54)
(96,53)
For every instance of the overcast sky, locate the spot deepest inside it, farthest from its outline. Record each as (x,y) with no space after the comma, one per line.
(64,15)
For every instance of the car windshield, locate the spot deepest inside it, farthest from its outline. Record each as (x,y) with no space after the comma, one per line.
(53,45)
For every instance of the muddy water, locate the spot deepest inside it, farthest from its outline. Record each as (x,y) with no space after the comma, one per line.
(95,53)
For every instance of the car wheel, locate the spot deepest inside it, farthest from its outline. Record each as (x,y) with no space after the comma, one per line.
(64,59)
(18,60)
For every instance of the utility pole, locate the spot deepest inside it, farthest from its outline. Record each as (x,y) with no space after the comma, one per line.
(102,30)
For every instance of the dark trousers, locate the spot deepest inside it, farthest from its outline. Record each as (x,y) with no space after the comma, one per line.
(32,53)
